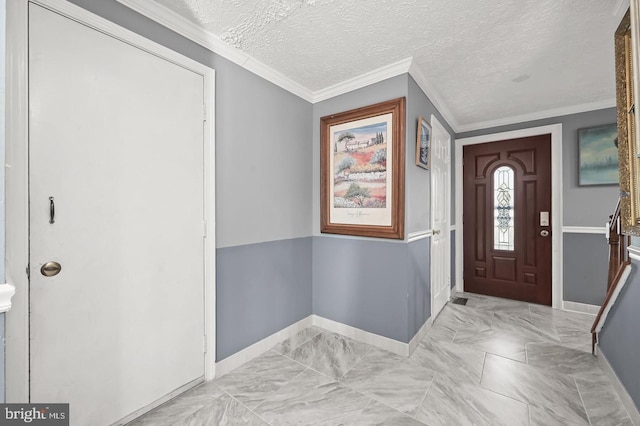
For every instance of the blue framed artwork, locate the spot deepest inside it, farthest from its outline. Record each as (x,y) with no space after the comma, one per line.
(598,155)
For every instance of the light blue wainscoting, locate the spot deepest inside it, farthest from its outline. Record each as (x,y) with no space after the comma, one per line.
(619,339)
(260,289)
(585,268)
(378,286)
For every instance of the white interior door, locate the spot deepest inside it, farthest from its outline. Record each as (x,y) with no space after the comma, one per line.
(440,214)
(116,138)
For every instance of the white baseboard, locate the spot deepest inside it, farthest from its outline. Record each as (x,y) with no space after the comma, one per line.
(628,403)
(614,297)
(583,308)
(247,354)
(413,344)
(139,413)
(362,336)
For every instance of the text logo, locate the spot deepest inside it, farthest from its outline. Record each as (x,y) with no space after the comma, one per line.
(34,414)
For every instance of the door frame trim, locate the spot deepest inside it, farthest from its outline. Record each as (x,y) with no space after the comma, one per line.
(17,183)
(447,272)
(556,200)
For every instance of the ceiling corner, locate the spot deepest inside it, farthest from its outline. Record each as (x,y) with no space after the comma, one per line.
(363,80)
(434,96)
(209,41)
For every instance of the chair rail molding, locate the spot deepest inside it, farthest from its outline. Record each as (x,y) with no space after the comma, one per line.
(419,235)
(634,252)
(585,230)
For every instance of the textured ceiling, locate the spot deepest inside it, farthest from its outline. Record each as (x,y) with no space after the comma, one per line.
(486,60)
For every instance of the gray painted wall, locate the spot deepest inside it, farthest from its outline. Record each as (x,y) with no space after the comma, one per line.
(350,284)
(582,205)
(585,268)
(418,285)
(383,287)
(261,289)
(619,341)
(363,283)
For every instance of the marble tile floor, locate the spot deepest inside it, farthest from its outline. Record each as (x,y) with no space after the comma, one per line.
(491,362)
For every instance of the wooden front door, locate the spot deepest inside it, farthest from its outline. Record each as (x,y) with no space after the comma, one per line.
(507,219)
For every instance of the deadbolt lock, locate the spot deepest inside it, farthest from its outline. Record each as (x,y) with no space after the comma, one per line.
(544,233)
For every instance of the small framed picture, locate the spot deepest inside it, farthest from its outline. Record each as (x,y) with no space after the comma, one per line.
(423,144)
(598,155)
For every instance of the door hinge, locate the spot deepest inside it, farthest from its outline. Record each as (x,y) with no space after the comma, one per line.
(28,271)
(204,229)
(204,343)
(204,112)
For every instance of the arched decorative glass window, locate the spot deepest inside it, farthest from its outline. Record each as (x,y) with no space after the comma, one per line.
(503,208)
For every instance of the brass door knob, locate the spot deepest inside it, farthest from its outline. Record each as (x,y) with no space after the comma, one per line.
(50,269)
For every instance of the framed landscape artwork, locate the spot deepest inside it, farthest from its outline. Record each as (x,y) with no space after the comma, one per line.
(362,171)
(598,155)
(423,144)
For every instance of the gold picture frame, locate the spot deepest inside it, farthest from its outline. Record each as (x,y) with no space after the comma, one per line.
(627,148)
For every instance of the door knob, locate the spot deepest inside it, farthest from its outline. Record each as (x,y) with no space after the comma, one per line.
(544,233)
(50,269)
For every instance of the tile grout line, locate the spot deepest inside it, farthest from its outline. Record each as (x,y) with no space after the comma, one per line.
(320,331)
(358,361)
(424,398)
(250,410)
(586,412)
(277,390)
(308,367)
(319,372)
(484,362)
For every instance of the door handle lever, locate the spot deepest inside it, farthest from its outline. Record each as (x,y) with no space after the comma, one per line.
(52,210)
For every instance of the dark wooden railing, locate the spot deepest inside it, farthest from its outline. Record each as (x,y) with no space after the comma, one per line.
(618,261)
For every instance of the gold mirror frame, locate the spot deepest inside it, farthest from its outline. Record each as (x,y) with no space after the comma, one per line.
(627,149)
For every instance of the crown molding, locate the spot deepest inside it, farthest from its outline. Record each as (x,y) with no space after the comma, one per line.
(434,96)
(193,32)
(539,115)
(363,80)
